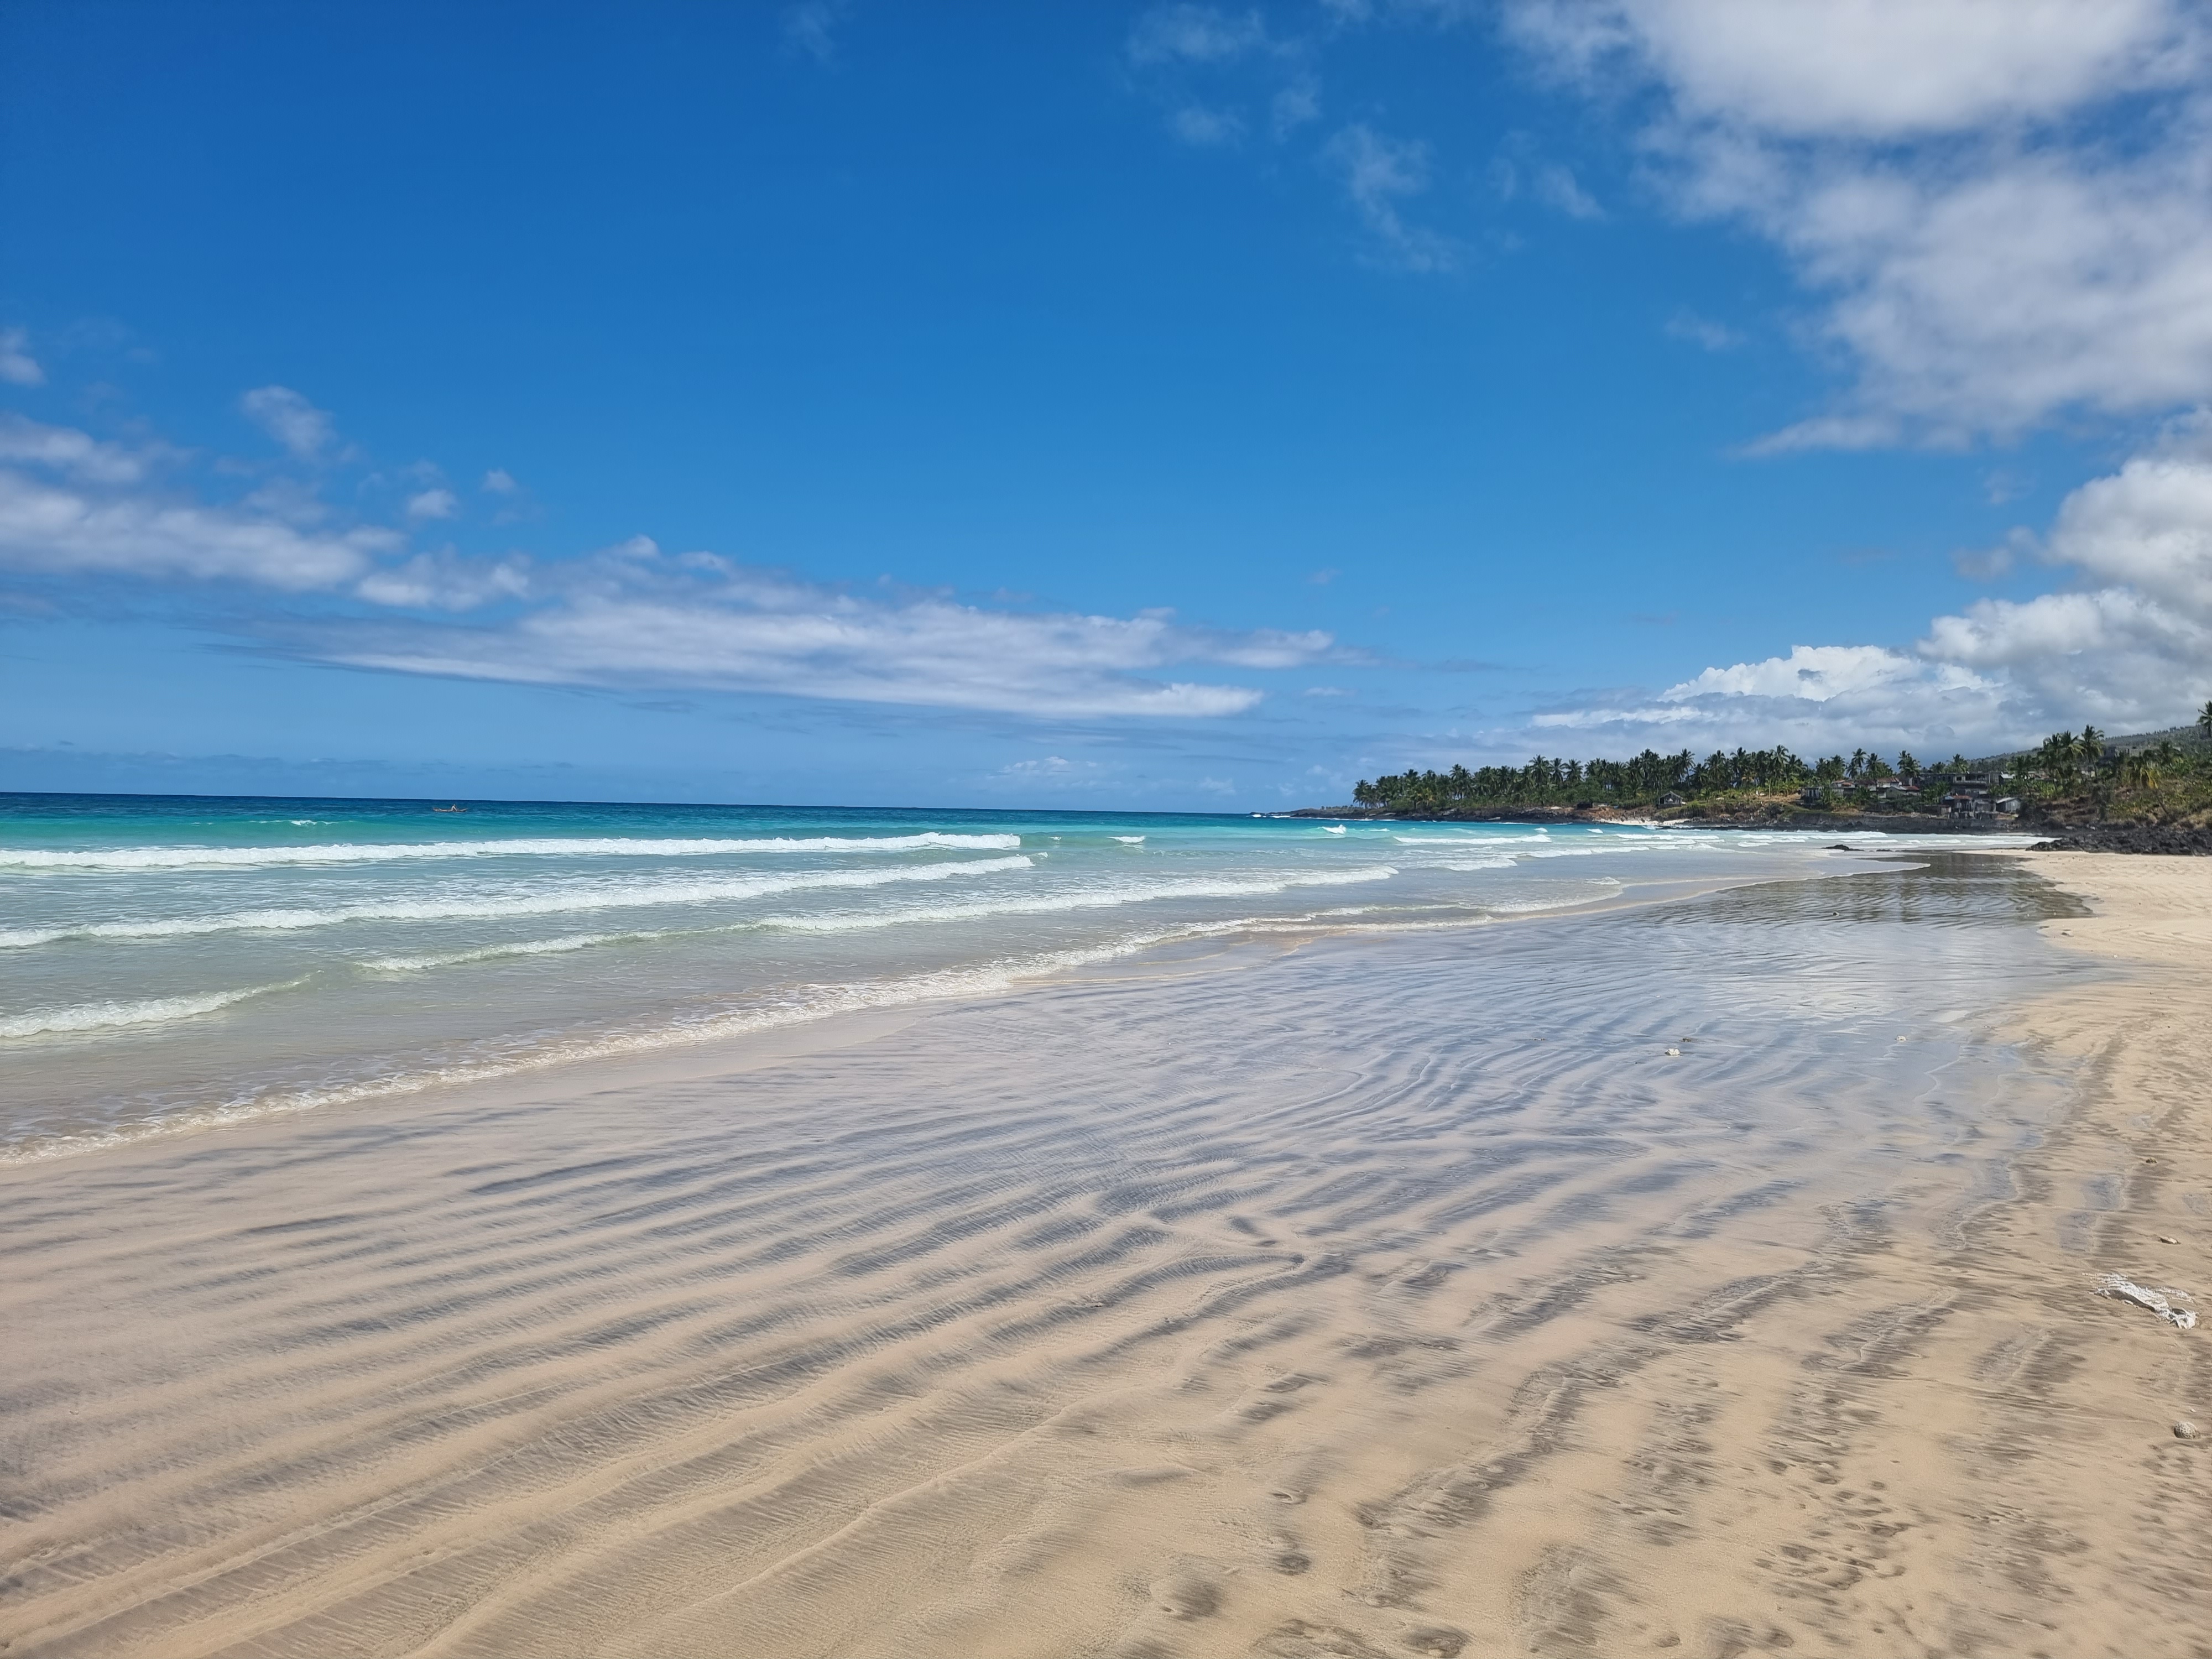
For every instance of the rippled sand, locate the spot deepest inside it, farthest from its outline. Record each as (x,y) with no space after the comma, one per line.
(1338,1297)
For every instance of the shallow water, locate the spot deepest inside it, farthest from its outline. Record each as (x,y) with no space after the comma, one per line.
(170,963)
(1329,1295)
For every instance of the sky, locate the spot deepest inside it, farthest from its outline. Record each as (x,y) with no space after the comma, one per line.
(1149,406)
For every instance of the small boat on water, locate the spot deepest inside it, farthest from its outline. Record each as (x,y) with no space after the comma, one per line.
(449,809)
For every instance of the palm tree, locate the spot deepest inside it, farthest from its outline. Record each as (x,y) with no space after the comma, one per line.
(2204,719)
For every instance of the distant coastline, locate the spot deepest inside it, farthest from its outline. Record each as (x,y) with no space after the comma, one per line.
(1776,817)
(2156,787)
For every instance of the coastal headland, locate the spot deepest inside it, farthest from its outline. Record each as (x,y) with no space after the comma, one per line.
(1721,1271)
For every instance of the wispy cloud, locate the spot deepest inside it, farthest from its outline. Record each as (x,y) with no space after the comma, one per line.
(77,510)
(1686,325)
(284,415)
(630,618)
(810,28)
(1195,34)
(1217,73)
(17,366)
(634,616)
(1380,174)
(1194,123)
(1948,176)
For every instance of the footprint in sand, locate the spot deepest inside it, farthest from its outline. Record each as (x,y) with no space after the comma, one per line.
(1185,1595)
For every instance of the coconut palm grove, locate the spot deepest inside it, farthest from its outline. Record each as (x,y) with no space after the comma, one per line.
(2163,777)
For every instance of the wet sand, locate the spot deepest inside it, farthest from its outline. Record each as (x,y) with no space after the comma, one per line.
(1336,1296)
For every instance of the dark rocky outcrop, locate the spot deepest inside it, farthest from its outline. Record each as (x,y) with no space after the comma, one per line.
(2131,838)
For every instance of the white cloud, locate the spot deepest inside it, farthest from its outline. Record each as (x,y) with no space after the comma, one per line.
(17,366)
(445,581)
(71,505)
(1874,69)
(635,617)
(67,451)
(1194,34)
(1813,700)
(2129,648)
(1379,173)
(59,528)
(290,419)
(500,482)
(2007,204)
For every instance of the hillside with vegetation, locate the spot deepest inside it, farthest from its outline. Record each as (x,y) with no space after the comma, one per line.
(2071,778)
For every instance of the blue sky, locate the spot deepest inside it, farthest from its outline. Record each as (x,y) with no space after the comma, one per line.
(1139,406)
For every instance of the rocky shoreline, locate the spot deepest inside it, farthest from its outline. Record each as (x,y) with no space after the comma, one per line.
(2161,838)
(1895,823)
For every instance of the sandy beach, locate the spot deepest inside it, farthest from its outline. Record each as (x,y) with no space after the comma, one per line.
(1712,1276)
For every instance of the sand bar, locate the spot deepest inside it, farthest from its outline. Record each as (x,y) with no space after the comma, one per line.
(1312,1296)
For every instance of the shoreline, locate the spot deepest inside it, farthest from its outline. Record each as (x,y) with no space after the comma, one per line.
(1034,1344)
(649,1058)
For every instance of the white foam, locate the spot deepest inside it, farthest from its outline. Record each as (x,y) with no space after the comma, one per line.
(1130,840)
(597,896)
(527,947)
(106,1015)
(1561,902)
(2151,1301)
(849,922)
(823,1002)
(362,852)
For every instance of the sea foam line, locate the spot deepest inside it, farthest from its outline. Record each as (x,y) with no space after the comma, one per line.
(182,858)
(106,1016)
(603,897)
(825,1002)
(869,920)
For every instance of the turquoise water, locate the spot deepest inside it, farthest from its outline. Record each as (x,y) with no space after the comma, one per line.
(171,963)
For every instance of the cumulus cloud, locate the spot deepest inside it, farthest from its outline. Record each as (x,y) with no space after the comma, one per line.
(2128,644)
(294,422)
(1812,699)
(17,366)
(1379,174)
(67,451)
(2008,207)
(433,504)
(59,527)
(636,618)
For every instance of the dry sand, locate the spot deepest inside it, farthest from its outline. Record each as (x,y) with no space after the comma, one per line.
(1354,1298)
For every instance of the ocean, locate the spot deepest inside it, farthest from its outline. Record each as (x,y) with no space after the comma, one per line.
(168,963)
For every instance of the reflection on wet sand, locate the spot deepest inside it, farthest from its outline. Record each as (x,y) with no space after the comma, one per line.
(1365,1296)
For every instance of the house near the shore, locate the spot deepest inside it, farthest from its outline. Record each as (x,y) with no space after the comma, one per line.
(1670,798)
